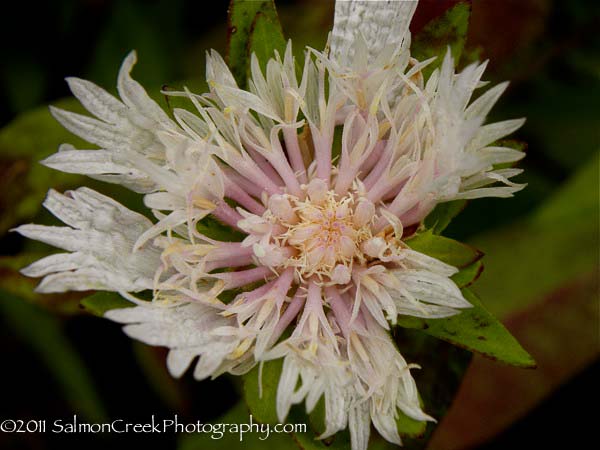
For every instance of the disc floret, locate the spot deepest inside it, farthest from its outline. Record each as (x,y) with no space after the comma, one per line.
(322,231)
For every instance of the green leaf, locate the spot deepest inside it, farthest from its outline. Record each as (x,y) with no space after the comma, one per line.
(266,36)
(263,407)
(449,29)
(442,215)
(100,302)
(242,19)
(44,335)
(476,330)
(467,276)
(445,249)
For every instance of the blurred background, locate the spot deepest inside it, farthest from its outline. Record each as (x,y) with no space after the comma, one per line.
(542,247)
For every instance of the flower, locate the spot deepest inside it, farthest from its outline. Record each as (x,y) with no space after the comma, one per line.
(323,253)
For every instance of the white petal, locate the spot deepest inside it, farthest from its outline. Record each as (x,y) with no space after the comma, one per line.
(286,387)
(105,165)
(107,278)
(62,237)
(483,105)
(135,96)
(465,83)
(336,413)
(241,100)
(188,329)
(494,131)
(97,101)
(164,201)
(217,70)
(419,260)
(179,360)
(193,124)
(59,262)
(171,221)
(102,236)
(359,423)
(431,288)
(141,184)
(382,23)
(501,192)
(490,156)
(425,311)
(387,427)
(212,357)
(88,162)
(92,130)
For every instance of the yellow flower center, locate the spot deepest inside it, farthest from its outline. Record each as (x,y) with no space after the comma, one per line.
(324,231)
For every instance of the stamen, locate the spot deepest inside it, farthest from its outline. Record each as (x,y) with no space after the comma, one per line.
(321,232)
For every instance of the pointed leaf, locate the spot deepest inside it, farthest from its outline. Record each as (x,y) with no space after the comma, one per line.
(467,276)
(266,36)
(476,330)
(542,280)
(445,249)
(241,17)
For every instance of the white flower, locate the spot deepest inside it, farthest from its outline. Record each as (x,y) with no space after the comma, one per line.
(323,254)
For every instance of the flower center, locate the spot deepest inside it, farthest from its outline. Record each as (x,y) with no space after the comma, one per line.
(323,232)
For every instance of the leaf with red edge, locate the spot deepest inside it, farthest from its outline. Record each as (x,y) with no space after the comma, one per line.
(476,330)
